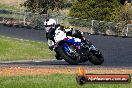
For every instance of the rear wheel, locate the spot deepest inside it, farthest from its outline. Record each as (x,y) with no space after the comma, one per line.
(71,58)
(96,59)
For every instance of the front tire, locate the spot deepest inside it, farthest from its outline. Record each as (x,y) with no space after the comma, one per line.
(68,59)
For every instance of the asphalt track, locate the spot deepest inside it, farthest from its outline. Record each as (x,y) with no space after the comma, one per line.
(117,51)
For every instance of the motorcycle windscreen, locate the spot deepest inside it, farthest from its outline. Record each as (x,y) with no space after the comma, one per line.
(77,41)
(74,41)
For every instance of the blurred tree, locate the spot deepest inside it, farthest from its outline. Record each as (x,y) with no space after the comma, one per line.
(94,9)
(42,6)
(124,13)
(124,1)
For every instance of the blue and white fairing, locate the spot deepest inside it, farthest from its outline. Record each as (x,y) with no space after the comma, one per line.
(75,41)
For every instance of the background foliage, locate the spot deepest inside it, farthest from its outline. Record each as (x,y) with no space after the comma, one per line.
(94,9)
(124,13)
(42,6)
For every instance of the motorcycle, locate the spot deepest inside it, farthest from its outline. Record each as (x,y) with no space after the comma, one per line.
(76,49)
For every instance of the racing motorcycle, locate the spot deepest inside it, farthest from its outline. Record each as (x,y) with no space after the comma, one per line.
(76,49)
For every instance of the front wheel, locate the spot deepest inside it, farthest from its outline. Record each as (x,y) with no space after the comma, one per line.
(66,57)
(96,59)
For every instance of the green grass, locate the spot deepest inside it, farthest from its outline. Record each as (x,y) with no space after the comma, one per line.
(14,49)
(51,81)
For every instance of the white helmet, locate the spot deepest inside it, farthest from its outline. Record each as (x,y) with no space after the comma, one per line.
(50,22)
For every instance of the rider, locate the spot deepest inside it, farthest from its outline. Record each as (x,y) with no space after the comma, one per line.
(50,31)
(51,26)
(56,32)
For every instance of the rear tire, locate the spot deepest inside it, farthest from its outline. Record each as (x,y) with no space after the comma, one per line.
(69,60)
